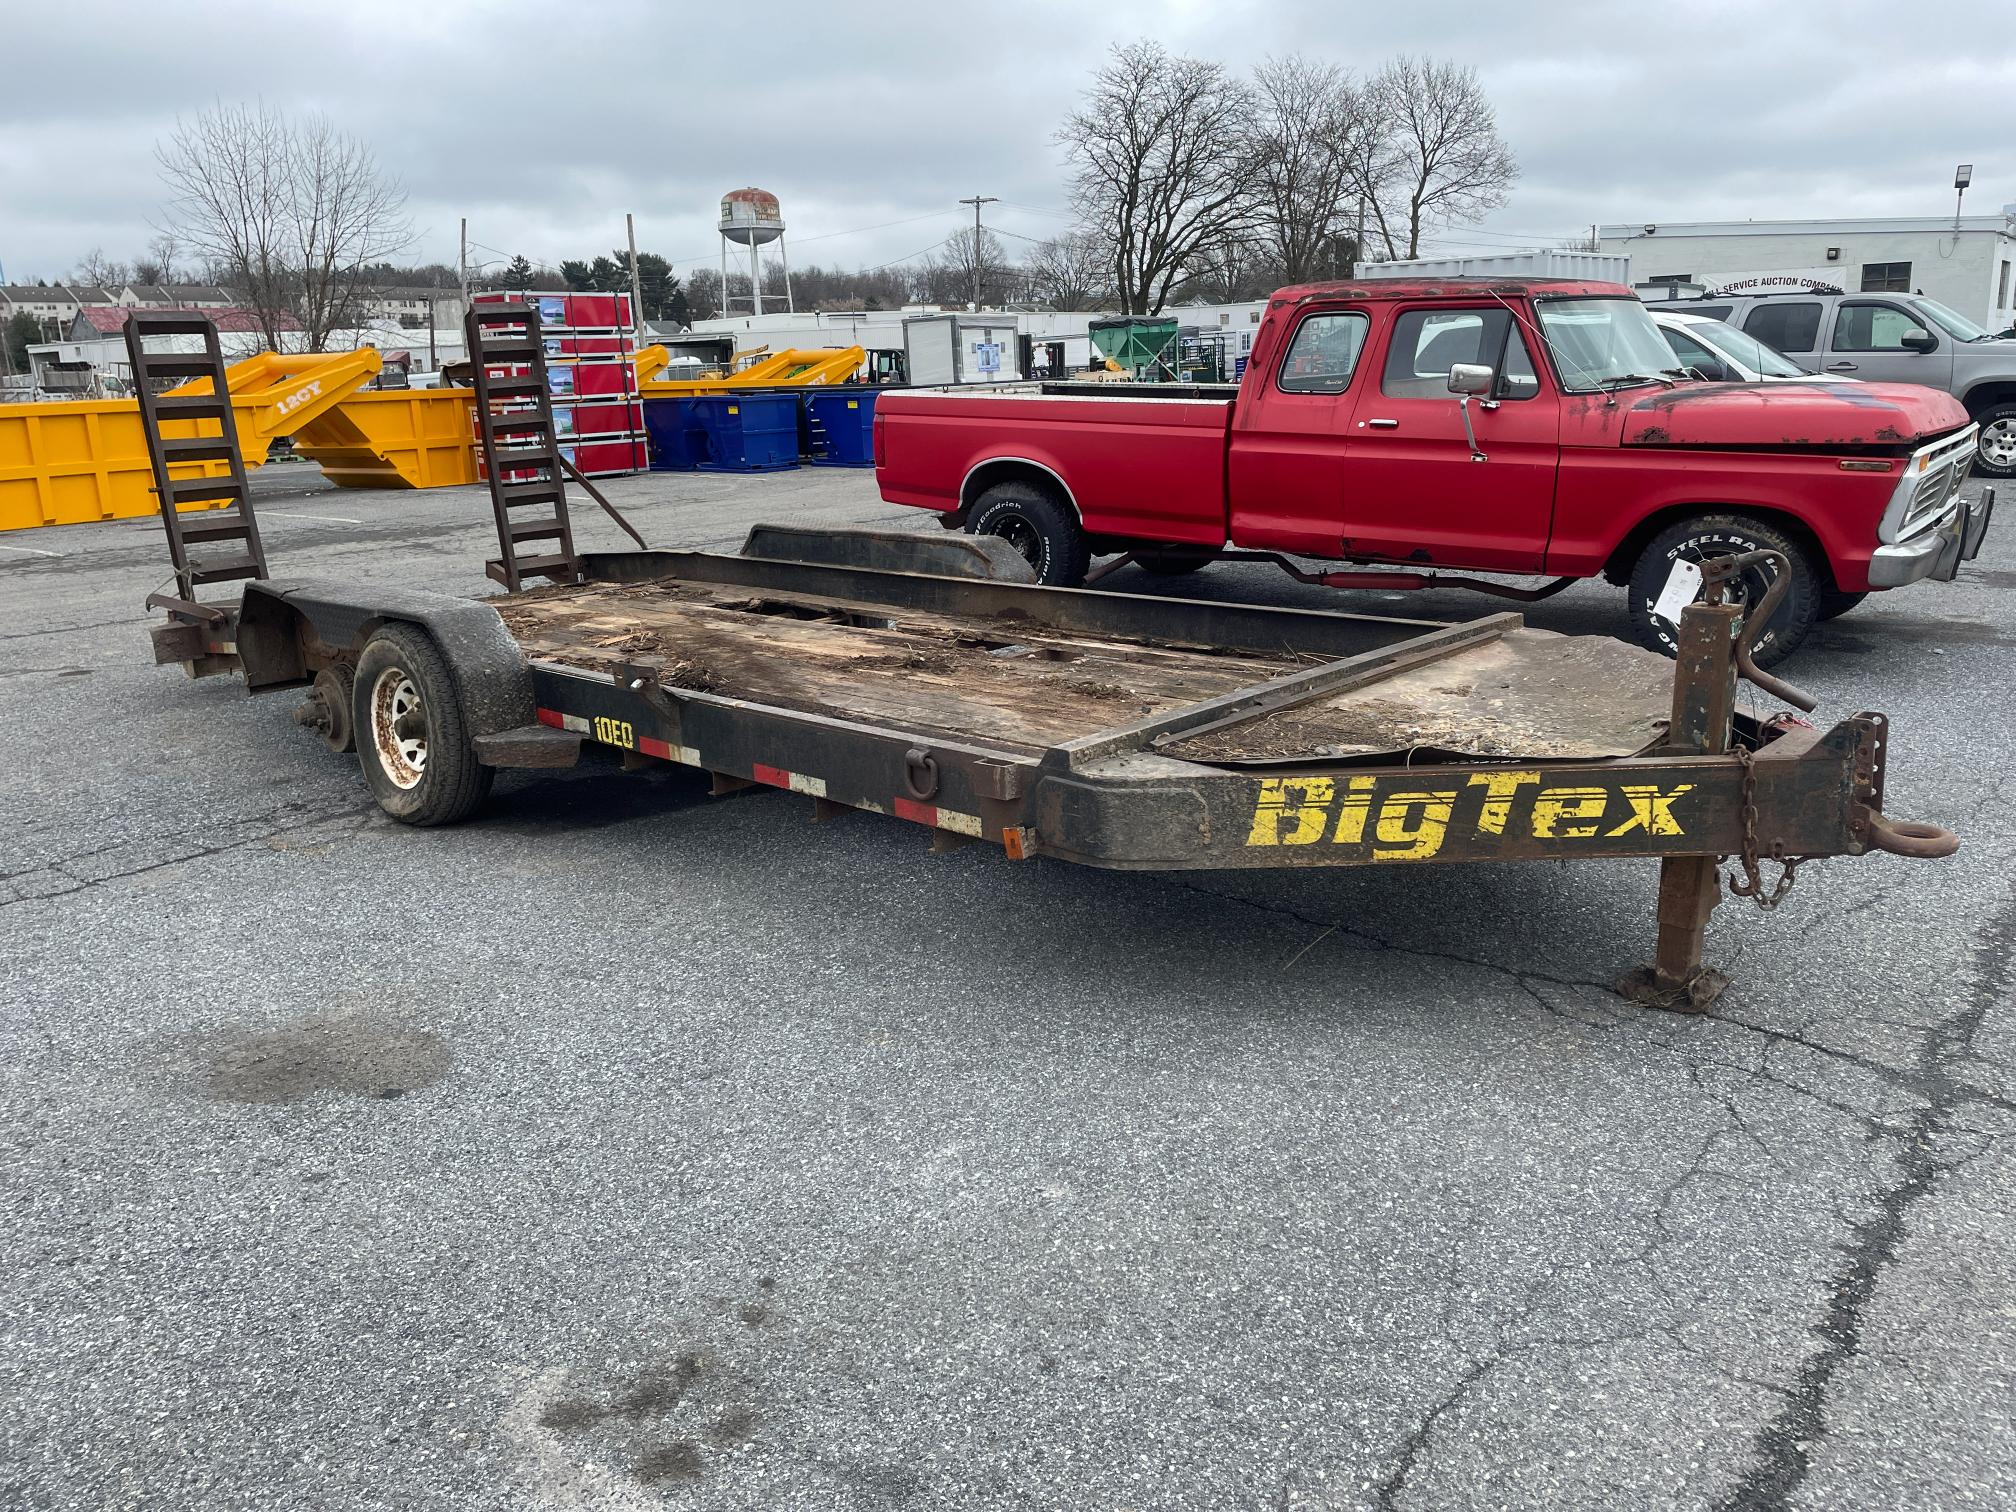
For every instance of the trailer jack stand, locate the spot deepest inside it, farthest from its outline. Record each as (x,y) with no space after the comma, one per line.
(1677,980)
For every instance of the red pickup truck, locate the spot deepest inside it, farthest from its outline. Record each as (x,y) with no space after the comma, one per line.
(1535,427)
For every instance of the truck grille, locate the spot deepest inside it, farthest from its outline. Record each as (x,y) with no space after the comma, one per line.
(1946,467)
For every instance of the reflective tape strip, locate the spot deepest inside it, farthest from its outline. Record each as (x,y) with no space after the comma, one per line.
(561,721)
(937,818)
(797,782)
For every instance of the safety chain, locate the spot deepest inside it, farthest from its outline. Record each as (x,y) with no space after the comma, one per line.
(1751,885)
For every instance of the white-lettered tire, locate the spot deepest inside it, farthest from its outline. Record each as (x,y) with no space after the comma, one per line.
(412,737)
(1710,534)
(1995,450)
(1037,524)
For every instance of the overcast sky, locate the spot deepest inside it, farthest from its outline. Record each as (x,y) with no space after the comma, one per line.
(544,124)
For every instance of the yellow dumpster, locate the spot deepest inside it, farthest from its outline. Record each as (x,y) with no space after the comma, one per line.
(395,438)
(66,463)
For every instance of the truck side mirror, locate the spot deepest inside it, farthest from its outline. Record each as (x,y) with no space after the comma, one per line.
(1466,380)
(1471,378)
(1920,342)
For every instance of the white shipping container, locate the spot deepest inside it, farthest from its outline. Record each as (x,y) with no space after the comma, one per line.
(1603,267)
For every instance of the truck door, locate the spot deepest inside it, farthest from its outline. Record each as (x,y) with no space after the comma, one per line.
(1879,340)
(1285,470)
(1413,490)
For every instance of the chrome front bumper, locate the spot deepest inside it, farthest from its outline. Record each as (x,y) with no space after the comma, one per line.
(1937,551)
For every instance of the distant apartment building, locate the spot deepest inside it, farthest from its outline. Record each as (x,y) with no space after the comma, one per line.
(53,305)
(414,308)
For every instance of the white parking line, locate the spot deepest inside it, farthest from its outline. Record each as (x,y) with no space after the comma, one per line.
(284,514)
(31,551)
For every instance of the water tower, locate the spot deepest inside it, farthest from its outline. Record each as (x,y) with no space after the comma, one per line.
(751,218)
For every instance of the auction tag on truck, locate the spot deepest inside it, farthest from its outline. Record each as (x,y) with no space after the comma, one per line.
(1683,586)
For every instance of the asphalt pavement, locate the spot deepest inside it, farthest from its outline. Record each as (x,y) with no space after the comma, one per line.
(630,1148)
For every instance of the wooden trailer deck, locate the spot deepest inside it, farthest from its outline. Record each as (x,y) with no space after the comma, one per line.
(1019,686)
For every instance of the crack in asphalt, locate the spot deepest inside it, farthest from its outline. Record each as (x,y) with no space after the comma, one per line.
(364,814)
(1784,1447)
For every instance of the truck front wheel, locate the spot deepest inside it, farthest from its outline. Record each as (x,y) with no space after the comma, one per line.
(1037,525)
(412,739)
(1702,536)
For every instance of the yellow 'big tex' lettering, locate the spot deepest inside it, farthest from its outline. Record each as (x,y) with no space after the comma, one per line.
(1412,824)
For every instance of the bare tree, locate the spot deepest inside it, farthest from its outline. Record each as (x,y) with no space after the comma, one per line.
(95,270)
(1310,131)
(1071,272)
(293,213)
(1162,165)
(1439,157)
(949,273)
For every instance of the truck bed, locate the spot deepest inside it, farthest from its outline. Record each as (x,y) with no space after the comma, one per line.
(1004,681)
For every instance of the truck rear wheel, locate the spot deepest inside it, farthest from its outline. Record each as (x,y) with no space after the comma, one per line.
(1033,521)
(1706,535)
(412,739)
(1995,451)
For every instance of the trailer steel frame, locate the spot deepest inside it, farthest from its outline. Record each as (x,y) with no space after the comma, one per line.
(1720,785)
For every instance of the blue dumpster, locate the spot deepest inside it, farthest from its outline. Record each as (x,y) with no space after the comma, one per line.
(842,426)
(677,444)
(747,432)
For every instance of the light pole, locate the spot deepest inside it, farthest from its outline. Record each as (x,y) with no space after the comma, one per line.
(1962,177)
(976,202)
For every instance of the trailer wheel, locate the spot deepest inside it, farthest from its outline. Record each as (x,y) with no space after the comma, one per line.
(1035,524)
(1175,561)
(1709,535)
(412,739)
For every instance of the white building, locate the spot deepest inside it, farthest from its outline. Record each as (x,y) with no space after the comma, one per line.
(1969,264)
(882,330)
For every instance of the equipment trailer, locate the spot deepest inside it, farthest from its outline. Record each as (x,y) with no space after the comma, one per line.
(914,677)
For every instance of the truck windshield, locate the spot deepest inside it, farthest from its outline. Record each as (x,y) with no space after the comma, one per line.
(1952,322)
(1603,343)
(1747,351)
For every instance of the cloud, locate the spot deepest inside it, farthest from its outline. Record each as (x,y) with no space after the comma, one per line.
(544,126)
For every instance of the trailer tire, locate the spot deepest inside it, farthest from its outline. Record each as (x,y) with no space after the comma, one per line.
(412,735)
(1032,521)
(1707,535)
(1175,561)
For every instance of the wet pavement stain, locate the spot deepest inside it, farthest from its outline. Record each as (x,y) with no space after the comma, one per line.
(679,1460)
(360,1057)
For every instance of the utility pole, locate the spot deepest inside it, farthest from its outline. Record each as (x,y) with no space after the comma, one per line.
(636,283)
(462,264)
(976,202)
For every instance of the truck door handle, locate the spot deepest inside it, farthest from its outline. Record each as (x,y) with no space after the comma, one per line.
(1840,367)
(1384,424)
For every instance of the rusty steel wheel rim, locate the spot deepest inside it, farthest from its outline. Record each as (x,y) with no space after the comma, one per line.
(399,728)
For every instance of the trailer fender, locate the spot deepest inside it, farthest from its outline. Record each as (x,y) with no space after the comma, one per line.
(287,630)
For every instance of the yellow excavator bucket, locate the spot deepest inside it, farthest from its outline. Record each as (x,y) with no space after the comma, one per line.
(69,462)
(798,367)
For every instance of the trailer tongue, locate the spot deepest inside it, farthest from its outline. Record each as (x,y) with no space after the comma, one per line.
(928,680)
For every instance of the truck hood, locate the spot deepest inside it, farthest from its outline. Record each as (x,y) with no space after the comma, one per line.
(1818,414)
